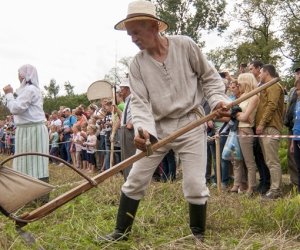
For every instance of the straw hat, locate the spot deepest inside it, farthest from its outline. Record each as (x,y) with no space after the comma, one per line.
(141,10)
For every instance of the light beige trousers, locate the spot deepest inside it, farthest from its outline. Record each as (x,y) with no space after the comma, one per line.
(191,149)
(270,147)
(239,173)
(246,144)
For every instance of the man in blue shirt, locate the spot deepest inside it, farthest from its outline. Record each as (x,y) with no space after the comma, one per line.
(69,121)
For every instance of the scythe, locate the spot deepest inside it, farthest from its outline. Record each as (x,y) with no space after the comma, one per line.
(92,182)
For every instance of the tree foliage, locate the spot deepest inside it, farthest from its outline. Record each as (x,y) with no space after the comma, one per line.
(120,71)
(69,88)
(70,101)
(290,21)
(222,57)
(3,109)
(52,89)
(257,38)
(190,17)
(266,30)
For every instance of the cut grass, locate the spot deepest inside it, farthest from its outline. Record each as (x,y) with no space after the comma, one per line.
(233,222)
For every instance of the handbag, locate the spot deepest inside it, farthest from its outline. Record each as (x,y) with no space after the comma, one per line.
(232,149)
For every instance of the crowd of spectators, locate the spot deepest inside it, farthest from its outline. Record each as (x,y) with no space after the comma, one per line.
(260,123)
(7,136)
(82,136)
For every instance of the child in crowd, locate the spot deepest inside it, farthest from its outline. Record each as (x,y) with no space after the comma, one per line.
(2,138)
(91,147)
(77,140)
(73,148)
(83,155)
(53,139)
(8,141)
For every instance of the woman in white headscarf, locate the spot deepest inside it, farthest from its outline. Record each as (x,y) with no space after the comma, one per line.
(29,118)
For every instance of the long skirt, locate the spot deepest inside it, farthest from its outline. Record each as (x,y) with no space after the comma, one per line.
(32,138)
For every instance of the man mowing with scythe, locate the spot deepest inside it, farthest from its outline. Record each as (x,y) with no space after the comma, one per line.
(169,80)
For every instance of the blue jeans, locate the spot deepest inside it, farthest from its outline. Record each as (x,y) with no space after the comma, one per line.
(117,156)
(102,145)
(67,150)
(107,156)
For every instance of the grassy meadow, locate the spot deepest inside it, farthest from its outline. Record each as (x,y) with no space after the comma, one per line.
(233,222)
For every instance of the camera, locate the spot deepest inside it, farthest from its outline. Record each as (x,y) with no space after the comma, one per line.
(222,74)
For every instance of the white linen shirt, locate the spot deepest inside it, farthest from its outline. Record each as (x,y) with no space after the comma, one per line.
(171,89)
(28,106)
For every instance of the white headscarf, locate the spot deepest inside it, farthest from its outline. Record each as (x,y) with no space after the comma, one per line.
(29,73)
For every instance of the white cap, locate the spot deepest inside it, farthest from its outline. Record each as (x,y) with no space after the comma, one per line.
(124,82)
(67,109)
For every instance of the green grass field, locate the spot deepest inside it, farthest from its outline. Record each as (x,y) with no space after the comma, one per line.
(234,221)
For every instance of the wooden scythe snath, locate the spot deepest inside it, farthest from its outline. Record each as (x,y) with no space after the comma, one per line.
(71,194)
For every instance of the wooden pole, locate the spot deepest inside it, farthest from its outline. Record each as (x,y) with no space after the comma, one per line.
(71,194)
(113,130)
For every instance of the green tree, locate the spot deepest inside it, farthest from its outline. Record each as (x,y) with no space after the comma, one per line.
(258,36)
(290,21)
(222,57)
(191,17)
(52,89)
(71,101)
(3,109)
(69,88)
(115,74)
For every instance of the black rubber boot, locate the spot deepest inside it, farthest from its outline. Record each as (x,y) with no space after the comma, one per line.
(125,217)
(198,220)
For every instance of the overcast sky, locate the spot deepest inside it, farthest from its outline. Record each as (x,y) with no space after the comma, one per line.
(68,40)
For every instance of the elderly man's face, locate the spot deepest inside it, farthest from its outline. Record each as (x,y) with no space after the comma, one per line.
(142,33)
